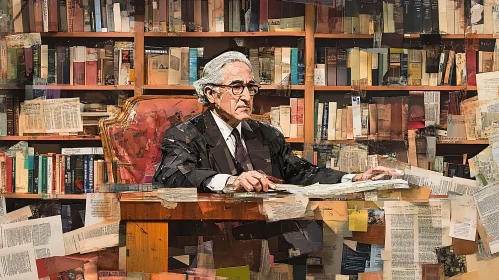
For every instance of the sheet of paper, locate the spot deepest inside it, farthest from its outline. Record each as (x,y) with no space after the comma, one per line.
(3,209)
(178,194)
(44,233)
(332,250)
(456,127)
(375,263)
(80,240)
(33,116)
(333,210)
(62,115)
(357,220)
(290,207)
(413,231)
(101,207)
(463,186)
(463,217)
(18,263)
(488,208)
(339,227)
(356,117)
(487,86)
(432,108)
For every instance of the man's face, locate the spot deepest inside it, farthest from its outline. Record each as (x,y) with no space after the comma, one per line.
(233,109)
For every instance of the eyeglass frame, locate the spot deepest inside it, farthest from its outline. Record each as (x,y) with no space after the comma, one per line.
(244,87)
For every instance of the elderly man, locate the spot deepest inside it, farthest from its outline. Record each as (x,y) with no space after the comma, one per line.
(223,150)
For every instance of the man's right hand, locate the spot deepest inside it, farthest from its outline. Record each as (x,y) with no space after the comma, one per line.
(250,181)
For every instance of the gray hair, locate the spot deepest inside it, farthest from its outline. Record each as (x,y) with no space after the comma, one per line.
(212,73)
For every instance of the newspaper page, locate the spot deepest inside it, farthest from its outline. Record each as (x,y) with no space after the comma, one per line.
(101,207)
(487,86)
(463,217)
(483,164)
(32,116)
(468,109)
(286,208)
(488,208)
(105,234)
(413,231)
(44,233)
(62,115)
(432,108)
(353,158)
(3,209)
(18,263)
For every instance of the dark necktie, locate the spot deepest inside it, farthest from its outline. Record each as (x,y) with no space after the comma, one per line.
(241,155)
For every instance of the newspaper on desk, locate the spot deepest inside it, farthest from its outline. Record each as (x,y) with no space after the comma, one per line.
(413,231)
(488,209)
(330,190)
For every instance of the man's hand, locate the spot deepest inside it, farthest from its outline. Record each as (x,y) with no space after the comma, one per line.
(376,173)
(251,181)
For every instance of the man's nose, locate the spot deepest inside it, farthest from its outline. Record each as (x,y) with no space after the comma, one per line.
(246,94)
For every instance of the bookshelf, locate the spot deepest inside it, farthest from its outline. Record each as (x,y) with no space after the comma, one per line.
(308,89)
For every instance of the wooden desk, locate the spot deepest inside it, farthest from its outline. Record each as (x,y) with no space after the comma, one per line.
(147,225)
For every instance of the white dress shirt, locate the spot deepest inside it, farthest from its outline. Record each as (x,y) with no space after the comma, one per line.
(218,181)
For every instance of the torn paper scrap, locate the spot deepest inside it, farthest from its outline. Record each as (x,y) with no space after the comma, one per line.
(45,233)
(18,263)
(290,207)
(80,240)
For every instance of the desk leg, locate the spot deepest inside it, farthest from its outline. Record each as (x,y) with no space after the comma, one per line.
(147,246)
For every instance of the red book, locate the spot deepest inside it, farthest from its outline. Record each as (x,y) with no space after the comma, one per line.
(8,167)
(471,67)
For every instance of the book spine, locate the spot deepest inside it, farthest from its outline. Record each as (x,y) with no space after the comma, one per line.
(193,65)
(294,66)
(98,16)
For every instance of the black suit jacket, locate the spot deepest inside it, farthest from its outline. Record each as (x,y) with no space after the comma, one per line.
(195,151)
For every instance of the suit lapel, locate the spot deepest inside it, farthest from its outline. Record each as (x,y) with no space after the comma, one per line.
(219,150)
(258,152)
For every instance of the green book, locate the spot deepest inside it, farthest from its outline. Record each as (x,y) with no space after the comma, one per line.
(234,273)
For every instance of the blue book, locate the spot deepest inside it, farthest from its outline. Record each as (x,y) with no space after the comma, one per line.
(294,66)
(193,65)
(98,16)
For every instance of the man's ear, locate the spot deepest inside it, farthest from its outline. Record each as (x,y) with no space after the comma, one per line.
(210,94)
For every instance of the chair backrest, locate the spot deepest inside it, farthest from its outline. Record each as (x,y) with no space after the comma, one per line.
(132,140)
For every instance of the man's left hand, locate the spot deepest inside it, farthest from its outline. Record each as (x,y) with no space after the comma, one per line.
(376,173)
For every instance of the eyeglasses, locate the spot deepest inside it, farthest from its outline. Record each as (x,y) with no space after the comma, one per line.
(237,90)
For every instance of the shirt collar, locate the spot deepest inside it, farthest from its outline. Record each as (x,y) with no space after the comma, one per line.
(224,127)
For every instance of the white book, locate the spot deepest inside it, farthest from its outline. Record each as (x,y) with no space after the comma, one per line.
(44,62)
(320,113)
(356,117)
(331,126)
(277,66)
(442,16)
(83,151)
(286,66)
(285,119)
(117,17)
(174,66)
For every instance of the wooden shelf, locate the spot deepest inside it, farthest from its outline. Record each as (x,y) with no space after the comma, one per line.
(49,138)
(456,36)
(401,88)
(225,34)
(184,87)
(408,36)
(81,87)
(464,142)
(10,86)
(43,196)
(295,140)
(342,36)
(88,34)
